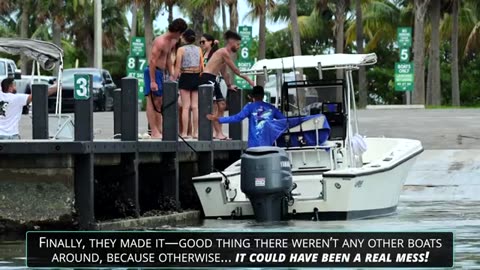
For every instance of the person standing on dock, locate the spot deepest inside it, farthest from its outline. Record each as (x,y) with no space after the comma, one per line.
(11,106)
(258,112)
(159,62)
(218,63)
(188,66)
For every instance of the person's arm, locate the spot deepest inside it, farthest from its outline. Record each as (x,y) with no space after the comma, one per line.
(170,66)
(178,63)
(277,114)
(152,65)
(235,70)
(51,90)
(231,119)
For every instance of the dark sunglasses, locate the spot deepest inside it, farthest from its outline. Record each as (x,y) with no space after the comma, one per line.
(202,41)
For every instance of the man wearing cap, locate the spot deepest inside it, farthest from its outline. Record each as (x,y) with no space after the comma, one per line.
(258,112)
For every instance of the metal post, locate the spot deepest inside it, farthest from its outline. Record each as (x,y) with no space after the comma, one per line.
(170,111)
(40,111)
(234,107)
(97,34)
(84,163)
(117,113)
(129,132)
(129,110)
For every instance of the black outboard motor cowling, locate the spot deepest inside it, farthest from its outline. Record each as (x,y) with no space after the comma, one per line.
(267,181)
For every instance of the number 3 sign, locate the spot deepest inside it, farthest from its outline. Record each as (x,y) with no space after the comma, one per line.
(81,86)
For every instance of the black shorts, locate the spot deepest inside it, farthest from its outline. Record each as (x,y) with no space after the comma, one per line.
(207,78)
(189,81)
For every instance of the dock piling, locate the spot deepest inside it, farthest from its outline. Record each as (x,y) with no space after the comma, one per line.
(117,113)
(129,132)
(40,111)
(205,106)
(234,107)
(84,163)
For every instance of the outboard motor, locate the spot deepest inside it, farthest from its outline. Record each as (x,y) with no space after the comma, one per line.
(267,181)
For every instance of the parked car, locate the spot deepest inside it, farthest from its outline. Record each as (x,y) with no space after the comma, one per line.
(24,85)
(7,68)
(102,91)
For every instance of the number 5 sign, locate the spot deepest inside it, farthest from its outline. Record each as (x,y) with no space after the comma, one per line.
(81,89)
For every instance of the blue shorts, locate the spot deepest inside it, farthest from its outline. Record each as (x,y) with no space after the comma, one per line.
(158,80)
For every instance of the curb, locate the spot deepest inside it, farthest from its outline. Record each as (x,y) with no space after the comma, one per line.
(395,107)
(177,219)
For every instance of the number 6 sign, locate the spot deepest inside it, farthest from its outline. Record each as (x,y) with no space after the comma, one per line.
(81,87)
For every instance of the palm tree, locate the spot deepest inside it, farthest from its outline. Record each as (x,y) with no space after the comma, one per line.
(433,78)
(421,8)
(147,20)
(259,10)
(362,77)
(232,7)
(455,80)
(209,8)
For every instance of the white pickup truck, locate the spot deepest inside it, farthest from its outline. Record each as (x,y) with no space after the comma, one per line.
(7,68)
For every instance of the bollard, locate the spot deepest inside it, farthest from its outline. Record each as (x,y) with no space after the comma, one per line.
(170,111)
(205,106)
(234,107)
(129,110)
(84,163)
(40,111)
(117,113)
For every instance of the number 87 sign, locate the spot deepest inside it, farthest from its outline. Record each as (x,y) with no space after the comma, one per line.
(81,87)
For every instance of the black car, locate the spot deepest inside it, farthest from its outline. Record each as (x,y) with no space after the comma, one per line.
(102,91)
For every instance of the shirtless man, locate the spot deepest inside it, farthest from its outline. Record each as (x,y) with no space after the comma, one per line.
(218,64)
(159,62)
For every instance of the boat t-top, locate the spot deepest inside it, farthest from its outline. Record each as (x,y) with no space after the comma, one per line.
(328,169)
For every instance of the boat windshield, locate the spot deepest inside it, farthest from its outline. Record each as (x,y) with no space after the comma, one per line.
(308,97)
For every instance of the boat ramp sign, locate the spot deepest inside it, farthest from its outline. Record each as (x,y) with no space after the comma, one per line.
(81,86)
(136,63)
(244,60)
(404,76)
(404,70)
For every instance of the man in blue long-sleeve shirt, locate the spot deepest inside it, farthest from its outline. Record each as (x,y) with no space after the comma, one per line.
(258,112)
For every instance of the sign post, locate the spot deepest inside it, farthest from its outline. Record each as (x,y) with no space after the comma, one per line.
(244,60)
(404,70)
(136,63)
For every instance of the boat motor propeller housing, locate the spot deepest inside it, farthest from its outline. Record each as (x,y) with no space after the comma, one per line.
(266,179)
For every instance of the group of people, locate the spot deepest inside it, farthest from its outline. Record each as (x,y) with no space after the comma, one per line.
(192,66)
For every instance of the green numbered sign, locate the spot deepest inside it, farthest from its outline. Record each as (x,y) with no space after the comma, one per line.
(404,55)
(142,64)
(131,64)
(81,87)
(137,46)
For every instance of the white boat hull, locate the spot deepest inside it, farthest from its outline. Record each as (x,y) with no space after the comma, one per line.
(322,194)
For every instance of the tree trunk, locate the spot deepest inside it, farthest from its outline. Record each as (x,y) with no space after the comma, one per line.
(362,89)
(421,7)
(262,46)
(24,32)
(224,16)
(297,49)
(429,75)
(436,97)
(57,26)
(455,81)
(197,21)
(340,37)
(133,30)
(170,13)
(232,7)
(147,20)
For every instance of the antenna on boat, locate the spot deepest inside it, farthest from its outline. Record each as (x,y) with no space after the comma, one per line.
(285,99)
